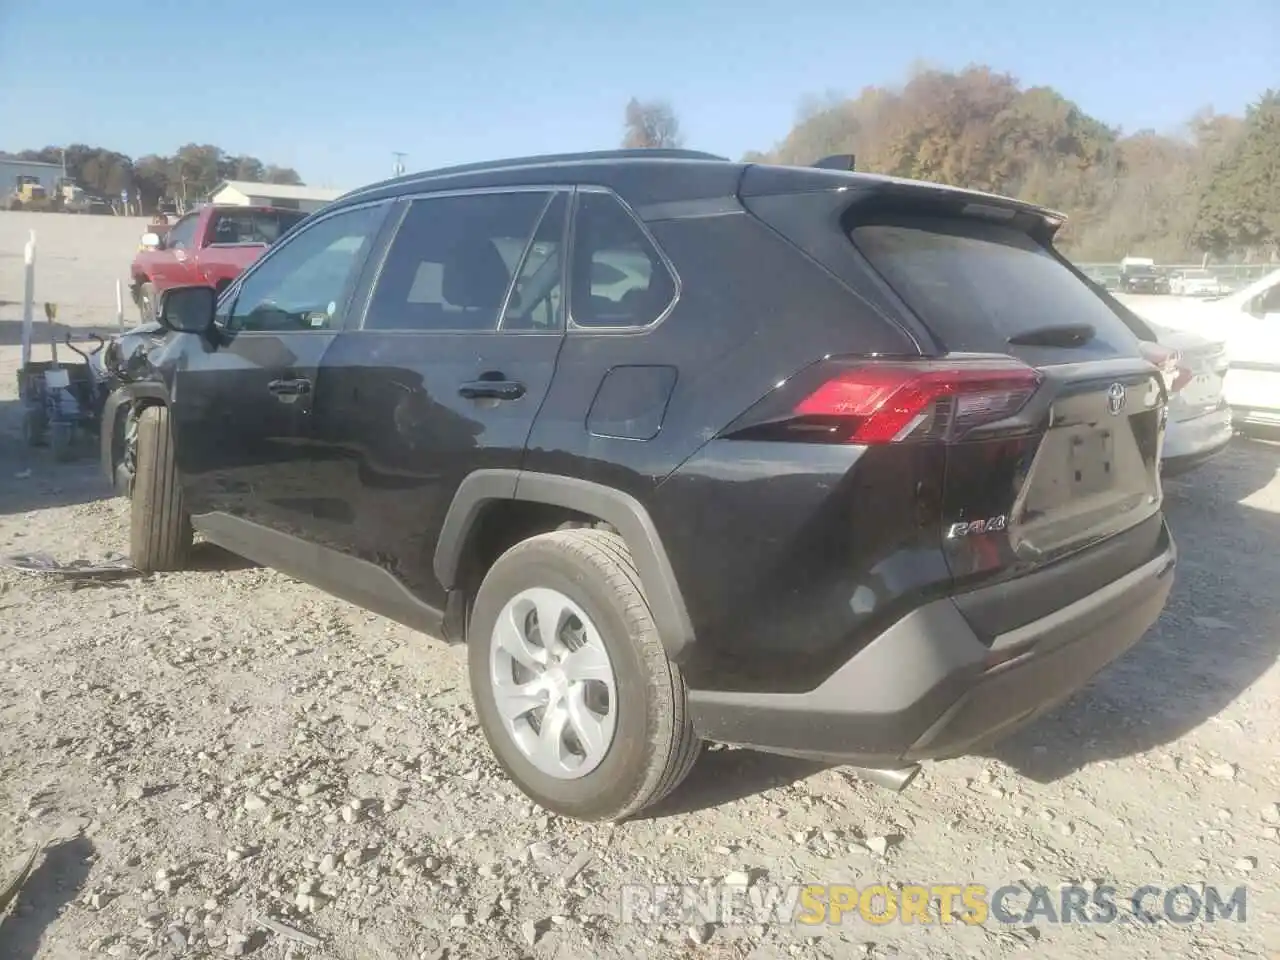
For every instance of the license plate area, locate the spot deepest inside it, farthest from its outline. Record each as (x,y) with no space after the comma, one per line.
(1091,454)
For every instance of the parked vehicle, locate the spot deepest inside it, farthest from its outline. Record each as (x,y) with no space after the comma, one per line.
(1249,322)
(210,246)
(822,463)
(1194,369)
(1197,283)
(1139,275)
(28,193)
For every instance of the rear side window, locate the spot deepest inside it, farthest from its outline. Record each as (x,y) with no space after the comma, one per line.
(453,261)
(253,226)
(976,284)
(618,277)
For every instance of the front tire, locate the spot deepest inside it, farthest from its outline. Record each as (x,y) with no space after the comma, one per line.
(160,534)
(591,723)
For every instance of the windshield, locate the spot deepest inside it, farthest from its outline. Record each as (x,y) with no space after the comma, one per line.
(1197,275)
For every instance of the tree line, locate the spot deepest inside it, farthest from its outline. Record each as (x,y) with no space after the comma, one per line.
(1212,188)
(183,178)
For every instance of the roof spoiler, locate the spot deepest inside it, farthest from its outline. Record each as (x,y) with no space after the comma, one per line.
(838,161)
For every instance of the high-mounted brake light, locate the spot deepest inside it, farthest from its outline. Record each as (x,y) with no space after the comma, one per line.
(880,402)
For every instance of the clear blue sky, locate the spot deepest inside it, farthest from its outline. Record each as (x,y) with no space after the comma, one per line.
(332,88)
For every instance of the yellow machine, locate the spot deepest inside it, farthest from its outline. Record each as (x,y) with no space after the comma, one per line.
(29,194)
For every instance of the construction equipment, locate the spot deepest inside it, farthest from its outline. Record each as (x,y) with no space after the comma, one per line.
(29,194)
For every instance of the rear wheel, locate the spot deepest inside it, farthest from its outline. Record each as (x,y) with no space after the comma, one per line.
(573,689)
(160,532)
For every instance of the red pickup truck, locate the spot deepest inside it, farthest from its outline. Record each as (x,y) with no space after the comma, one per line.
(212,245)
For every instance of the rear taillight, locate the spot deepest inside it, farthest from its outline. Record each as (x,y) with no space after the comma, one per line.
(1176,374)
(877,402)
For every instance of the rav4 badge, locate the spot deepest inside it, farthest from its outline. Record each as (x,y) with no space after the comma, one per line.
(966,528)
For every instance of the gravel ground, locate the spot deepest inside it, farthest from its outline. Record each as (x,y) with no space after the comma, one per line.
(226,745)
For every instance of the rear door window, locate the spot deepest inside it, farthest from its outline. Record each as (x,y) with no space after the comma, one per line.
(975,284)
(618,278)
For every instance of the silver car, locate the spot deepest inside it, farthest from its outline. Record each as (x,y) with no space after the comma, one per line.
(1195,370)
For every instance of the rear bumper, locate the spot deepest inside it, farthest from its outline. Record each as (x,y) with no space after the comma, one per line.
(1189,443)
(929,688)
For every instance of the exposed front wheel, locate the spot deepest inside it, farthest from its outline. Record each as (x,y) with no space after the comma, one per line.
(160,534)
(573,689)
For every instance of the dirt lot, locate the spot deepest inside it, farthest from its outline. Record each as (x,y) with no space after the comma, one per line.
(233,745)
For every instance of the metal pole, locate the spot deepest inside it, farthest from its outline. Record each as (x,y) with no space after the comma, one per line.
(28,296)
(119,306)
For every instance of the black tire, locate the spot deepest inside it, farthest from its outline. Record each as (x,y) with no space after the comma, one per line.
(160,534)
(147,302)
(654,745)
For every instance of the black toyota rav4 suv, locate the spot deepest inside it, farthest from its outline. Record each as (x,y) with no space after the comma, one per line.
(828,464)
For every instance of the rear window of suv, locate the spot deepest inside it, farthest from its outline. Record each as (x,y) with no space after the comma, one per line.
(975,284)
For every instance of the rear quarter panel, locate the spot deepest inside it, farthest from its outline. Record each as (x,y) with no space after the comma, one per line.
(742,528)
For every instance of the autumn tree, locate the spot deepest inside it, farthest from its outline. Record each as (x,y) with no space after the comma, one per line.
(980,128)
(1240,205)
(650,124)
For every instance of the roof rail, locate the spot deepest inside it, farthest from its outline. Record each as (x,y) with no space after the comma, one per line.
(647,153)
(838,161)
(656,153)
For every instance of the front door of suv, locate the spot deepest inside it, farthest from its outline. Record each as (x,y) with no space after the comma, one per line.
(242,406)
(445,373)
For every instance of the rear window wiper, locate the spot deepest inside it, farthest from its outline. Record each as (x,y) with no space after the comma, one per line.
(1062,335)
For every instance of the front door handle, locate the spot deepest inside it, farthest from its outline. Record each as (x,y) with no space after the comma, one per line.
(492,390)
(290,388)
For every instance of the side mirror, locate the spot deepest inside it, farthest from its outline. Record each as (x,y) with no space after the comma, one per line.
(188,309)
(151,241)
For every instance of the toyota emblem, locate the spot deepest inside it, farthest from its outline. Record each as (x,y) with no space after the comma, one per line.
(1115,398)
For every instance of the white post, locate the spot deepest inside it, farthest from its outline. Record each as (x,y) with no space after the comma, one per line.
(28,296)
(119,307)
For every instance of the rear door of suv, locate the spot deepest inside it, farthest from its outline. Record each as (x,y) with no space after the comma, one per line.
(444,372)
(980,287)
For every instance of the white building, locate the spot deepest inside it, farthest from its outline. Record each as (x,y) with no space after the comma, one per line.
(245,193)
(10,170)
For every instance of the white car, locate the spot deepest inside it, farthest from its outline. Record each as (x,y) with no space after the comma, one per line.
(1196,283)
(1194,369)
(1249,323)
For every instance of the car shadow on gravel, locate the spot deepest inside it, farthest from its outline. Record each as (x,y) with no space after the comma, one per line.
(1217,636)
(723,776)
(56,882)
(30,479)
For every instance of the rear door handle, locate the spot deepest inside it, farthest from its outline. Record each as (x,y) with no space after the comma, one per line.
(492,390)
(289,388)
